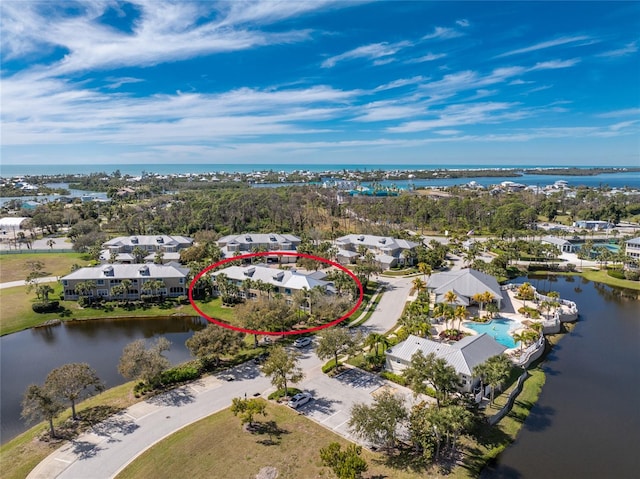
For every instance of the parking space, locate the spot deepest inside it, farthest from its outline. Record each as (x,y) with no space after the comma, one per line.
(334,398)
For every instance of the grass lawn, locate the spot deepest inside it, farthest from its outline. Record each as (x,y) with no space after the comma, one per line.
(601,276)
(20,455)
(286,440)
(13,267)
(16,313)
(214,309)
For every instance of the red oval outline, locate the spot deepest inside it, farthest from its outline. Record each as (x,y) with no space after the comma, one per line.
(276,333)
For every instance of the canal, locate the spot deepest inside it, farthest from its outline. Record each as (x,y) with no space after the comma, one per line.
(586,422)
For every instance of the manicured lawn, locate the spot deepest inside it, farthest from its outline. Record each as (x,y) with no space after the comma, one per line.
(214,309)
(13,267)
(20,455)
(16,313)
(601,276)
(288,441)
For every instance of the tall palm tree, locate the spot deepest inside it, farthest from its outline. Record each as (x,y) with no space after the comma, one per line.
(418,285)
(426,270)
(376,339)
(460,313)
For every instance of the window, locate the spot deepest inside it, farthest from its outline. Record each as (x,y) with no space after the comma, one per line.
(103,292)
(64,282)
(181,280)
(100,282)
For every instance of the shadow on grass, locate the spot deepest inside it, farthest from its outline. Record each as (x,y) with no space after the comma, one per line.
(404,458)
(269,428)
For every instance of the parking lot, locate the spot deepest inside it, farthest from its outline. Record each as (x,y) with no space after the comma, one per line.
(334,398)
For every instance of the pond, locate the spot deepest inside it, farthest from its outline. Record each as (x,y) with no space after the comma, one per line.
(28,356)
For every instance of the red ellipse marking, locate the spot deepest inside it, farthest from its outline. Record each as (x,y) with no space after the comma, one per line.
(275,333)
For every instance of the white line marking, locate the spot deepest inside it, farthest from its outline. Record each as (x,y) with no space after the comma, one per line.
(341,424)
(329,417)
(63,460)
(132,417)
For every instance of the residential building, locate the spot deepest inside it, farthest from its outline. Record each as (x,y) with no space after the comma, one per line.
(104,277)
(122,248)
(563,245)
(233,245)
(632,248)
(463,355)
(388,251)
(284,282)
(465,283)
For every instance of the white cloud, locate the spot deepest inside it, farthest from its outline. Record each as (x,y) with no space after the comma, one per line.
(442,33)
(547,44)
(374,51)
(429,57)
(628,49)
(620,113)
(463,22)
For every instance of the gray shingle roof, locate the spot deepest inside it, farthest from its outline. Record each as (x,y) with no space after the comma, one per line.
(466,282)
(128,271)
(277,277)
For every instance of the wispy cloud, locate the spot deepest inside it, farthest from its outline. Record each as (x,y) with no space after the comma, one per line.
(628,49)
(374,51)
(429,57)
(442,33)
(463,22)
(620,113)
(544,45)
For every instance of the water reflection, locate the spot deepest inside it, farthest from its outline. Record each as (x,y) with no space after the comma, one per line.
(28,356)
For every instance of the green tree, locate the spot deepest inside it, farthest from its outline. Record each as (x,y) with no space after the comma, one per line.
(374,340)
(493,372)
(334,342)
(345,464)
(212,342)
(38,403)
(282,367)
(139,362)
(72,382)
(379,422)
(247,409)
(424,371)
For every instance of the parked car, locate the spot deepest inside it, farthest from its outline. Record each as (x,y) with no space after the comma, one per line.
(299,399)
(260,359)
(302,342)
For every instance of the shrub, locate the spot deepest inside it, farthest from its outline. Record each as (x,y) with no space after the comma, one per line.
(280,393)
(179,374)
(632,275)
(45,306)
(616,273)
(570,267)
(394,377)
(330,365)
(84,301)
(182,300)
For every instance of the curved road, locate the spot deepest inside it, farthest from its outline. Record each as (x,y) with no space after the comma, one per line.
(110,446)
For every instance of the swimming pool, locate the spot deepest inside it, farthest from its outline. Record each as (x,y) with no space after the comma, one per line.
(498,328)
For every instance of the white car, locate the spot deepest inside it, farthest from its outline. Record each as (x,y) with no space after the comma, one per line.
(299,399)
(302,342)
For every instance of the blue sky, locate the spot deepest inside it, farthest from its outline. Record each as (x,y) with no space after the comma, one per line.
(336,82)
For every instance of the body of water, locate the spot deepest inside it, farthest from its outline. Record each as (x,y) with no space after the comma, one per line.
(73,193)
(586,422)
(613,180)
(499,329)
(28,356)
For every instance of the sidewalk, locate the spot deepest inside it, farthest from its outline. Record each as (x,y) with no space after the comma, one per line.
(13,284)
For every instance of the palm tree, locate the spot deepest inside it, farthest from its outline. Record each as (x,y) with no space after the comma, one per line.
(425,269)
(460,313)
(376,339)
(418,285)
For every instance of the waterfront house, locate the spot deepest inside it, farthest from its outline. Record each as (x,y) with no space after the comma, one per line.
(465,284)
(463,355)
(595,225)
(104,277)
(388,251)
(122,247)
(233,245)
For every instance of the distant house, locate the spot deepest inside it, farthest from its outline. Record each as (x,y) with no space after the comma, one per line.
(233,245)
(12,223)
(388,251)
(632,248)
(284,282)
(463,355)
(105,277)
(123,247)
(465,284)
(561,244)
